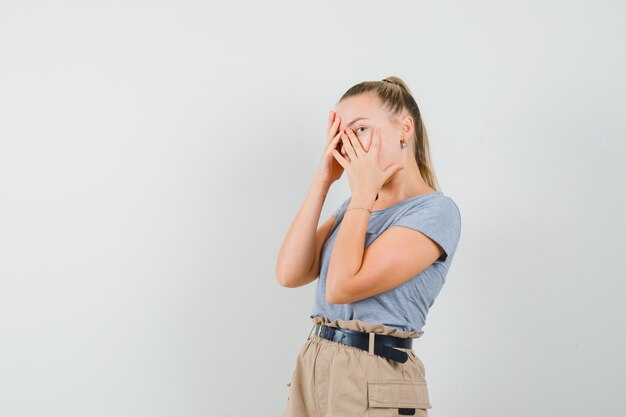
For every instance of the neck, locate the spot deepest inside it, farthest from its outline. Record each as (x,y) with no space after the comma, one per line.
(403,185)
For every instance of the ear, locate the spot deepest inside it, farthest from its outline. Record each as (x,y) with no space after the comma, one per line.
(407,126)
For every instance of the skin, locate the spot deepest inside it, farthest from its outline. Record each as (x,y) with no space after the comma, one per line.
(388,171)
(401,185)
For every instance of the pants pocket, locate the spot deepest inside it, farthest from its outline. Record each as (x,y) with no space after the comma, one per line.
(418,363)
(397,398)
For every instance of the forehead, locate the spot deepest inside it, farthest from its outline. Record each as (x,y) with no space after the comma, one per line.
(363,105)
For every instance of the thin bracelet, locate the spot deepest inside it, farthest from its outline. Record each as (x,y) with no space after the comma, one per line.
(363,208)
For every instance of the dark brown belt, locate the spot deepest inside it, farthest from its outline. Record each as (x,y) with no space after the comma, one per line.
(383,344)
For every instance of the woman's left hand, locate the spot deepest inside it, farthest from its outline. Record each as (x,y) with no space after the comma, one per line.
(364,175)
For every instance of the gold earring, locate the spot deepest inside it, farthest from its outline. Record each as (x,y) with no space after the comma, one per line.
(403,143)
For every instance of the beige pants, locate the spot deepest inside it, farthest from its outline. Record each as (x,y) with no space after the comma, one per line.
(331,379)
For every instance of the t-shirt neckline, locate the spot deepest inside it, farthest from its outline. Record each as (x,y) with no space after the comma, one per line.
(415,197)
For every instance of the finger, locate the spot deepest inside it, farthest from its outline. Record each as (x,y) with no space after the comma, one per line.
(391,170)
(340,159)
(332,128)
(336,124)
(344,153)
(331,118)
(356,143)
(375,141)
(348,145)
(333,143)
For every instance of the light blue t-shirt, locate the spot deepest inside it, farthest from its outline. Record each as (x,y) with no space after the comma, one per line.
(404,307)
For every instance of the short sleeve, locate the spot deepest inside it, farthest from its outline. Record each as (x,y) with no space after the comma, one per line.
(341,208)
(439,219)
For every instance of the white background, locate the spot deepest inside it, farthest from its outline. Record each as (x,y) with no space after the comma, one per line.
(154,153)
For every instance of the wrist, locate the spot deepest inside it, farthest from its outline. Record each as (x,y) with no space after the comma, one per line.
(320,188)
(364,201)
(321,185)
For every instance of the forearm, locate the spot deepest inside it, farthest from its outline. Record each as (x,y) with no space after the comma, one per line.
(297,252)
(346,258)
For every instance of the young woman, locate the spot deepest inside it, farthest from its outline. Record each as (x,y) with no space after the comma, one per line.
(382,258)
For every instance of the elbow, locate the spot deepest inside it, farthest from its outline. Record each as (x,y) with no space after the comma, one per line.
(336,295)
(286,283)
(282,279)
(287,279)
(333,299)
(281,282)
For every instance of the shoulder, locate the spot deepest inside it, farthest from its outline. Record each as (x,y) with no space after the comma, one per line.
(440,205)
(438,217)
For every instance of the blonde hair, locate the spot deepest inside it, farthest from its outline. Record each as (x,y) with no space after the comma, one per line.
(396,97)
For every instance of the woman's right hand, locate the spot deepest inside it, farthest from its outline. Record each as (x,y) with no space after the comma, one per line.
(329,170)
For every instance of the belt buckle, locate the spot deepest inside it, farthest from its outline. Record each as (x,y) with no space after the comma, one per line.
(324,332)
(327,332)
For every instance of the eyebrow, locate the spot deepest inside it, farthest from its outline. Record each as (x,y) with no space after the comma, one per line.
(356,120)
